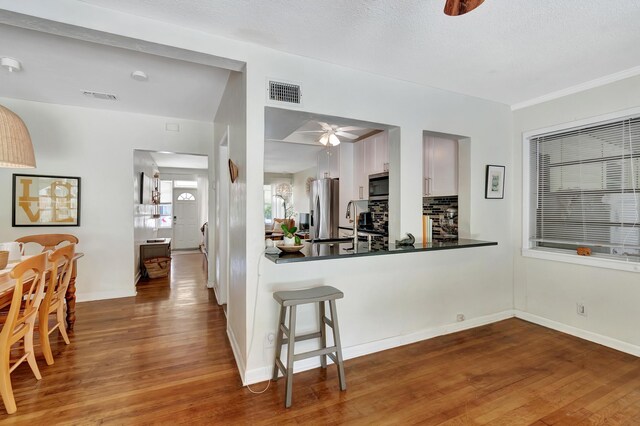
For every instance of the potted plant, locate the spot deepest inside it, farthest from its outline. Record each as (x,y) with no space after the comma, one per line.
(289,238)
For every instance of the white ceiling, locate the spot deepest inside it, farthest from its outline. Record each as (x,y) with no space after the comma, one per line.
(291,141)
(180,161)
(510,51)
(57,69)
(283,157)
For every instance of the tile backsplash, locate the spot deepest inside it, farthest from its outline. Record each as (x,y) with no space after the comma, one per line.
(380,216)
(436,207)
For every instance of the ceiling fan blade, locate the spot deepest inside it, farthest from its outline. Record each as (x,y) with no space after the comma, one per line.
(325,126)
(309,131)
(349,128)
(347,135)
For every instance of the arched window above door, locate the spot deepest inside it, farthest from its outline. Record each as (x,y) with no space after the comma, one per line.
(186,196)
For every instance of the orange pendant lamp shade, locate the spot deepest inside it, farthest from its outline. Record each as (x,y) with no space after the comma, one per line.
(460,7)
(16,149)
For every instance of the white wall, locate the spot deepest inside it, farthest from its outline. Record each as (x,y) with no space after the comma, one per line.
(549,290)
(386,298)
(97,146)
(144,225)
(231,120)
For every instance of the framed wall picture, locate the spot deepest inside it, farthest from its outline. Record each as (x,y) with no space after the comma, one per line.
(45,200)
(494,184)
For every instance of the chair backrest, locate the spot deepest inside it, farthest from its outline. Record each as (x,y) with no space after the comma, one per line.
(47,241)
(29,273)
(62,267)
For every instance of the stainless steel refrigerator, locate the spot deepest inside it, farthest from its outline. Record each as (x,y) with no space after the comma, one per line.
(324,209)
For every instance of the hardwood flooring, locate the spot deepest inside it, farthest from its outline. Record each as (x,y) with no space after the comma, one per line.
(162,357)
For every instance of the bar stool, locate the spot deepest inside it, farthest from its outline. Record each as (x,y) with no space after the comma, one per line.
(292,299)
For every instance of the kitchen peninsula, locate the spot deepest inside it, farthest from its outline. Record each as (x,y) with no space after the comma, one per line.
(344,250)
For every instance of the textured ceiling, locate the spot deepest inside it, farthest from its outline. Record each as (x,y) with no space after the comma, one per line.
(510,51)
(57,69)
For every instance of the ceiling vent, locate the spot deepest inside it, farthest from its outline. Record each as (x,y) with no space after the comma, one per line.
(284,92)
(98,95)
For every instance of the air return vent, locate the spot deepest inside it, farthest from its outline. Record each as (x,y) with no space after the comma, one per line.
(98,95)
(285,92)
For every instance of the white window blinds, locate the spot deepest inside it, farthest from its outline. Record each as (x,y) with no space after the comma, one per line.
(585,189)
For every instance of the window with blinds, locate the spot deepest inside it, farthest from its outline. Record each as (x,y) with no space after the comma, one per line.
(585,189)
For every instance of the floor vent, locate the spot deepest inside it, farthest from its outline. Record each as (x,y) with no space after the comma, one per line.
(285,92)
(98,95)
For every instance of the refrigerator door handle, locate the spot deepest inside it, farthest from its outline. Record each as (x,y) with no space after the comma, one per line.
(318,219)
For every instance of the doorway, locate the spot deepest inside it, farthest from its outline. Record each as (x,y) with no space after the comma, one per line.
(172,201)
(186,229)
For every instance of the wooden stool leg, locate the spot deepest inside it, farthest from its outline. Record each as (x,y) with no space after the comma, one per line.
(323,333)
(5,383)
(290,352)
(279,333)
(43,330)
(336,340)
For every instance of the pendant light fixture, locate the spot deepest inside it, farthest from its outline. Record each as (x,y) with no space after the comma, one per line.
(16,149)
(460,7)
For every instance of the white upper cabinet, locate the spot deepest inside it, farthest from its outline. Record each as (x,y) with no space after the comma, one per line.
(370,156)
(377,149)
(440,171)
(360,177)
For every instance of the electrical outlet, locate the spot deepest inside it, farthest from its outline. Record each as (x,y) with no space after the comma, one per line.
(460,317)
(270,340)
(581,310)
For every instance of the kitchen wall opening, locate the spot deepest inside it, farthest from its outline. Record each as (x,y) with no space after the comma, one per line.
(327,176)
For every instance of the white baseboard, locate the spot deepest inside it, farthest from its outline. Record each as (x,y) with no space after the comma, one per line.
(264,373)
(237,355)
(102,295)
(578,332)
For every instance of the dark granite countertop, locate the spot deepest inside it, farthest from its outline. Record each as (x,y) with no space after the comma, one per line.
(365,231)
(344,250)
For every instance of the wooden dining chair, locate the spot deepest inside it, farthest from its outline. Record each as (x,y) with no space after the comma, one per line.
(47,241)
(59,277)
(20,322)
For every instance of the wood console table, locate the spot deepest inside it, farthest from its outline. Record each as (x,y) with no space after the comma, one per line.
(159,247)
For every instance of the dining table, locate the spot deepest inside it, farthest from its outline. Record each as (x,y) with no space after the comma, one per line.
(7,285)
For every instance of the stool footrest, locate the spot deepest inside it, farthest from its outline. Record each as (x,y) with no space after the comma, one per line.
(284,329)
(318,352)
(280,366)
(328,321)
(304,337)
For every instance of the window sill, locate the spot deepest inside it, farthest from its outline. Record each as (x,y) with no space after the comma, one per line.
(566,257)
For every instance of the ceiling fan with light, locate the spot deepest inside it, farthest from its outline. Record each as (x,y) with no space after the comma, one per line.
(460,7)
(330,133)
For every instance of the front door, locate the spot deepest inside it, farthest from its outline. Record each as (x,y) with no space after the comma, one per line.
(186,230)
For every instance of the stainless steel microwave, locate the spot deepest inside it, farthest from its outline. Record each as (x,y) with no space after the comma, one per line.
(379,186)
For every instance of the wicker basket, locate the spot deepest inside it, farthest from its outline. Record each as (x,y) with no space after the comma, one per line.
(158,267)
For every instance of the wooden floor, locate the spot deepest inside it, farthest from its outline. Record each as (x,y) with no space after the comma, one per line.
(162,357)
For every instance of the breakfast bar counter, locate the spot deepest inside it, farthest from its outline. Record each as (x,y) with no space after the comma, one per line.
(345,249)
